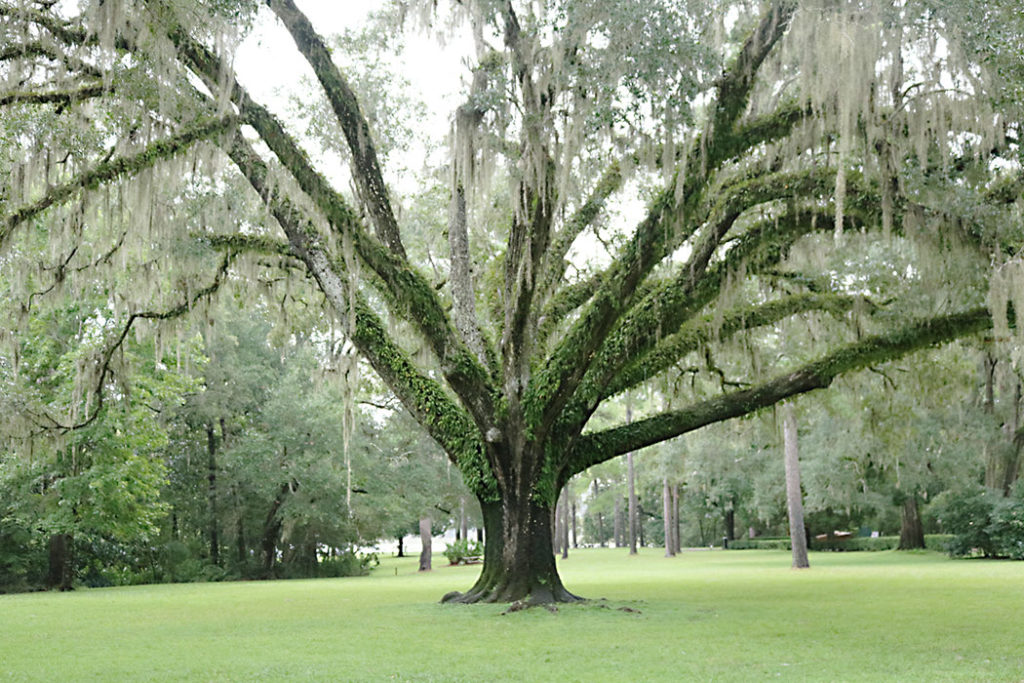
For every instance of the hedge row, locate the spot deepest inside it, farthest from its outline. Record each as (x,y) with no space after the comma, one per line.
(937,542)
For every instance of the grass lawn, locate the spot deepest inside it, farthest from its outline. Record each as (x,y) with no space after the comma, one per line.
(705,615)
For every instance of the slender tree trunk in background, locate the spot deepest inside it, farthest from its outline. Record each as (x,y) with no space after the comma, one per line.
(480,533)
(557,520)
(241,548)
(272,531)
(666,500)
(425,541)
(633,521)
(564,538)
(794,499)
(463,522)
(600,530)
(730,522)
(401,546)
(1016,437)
(572,519)
(60,573)
(617,529)
(211,494)
(676,547)
(993,467)
(911,529)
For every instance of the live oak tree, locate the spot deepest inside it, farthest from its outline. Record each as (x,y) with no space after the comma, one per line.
(776,147)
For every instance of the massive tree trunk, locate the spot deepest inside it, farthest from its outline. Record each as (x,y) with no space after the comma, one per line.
(519,560)
(911,529)
(794,498)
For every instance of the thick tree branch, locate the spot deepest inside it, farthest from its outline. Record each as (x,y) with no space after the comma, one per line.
(668,223)
(60,97)
(39,49)
(443,419)
(673,347)
(596,448)
(366,172)
(166,148)
(412,295)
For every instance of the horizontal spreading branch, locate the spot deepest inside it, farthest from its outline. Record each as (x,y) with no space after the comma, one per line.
(59,97)
(129,164)
(598,447)
(672,348)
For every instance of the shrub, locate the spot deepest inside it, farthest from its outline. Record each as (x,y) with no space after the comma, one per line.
(462,550)
(348,563)
(1006,529)
(937,542)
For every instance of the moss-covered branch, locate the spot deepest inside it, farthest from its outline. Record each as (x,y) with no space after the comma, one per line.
(425,399)
(735,85)
(669,221)
(595,448)
(666,307)
(581,219)
(203,129)
(60,97)
(343,100)
(413,297)
(38,49)
(701,333)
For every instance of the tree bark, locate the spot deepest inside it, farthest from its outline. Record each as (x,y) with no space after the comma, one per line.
(572,520)
(401,546)
(563,539)
(519,564)
(272,530)
(426,544)
(794,500)
(675,519)
(463,522)
(911,529)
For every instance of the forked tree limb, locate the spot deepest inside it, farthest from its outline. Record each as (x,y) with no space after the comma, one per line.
(598,447)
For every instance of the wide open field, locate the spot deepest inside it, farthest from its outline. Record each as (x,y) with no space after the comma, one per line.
(706,615)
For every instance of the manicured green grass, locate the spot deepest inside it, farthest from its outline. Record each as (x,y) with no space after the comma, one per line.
(710,615)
